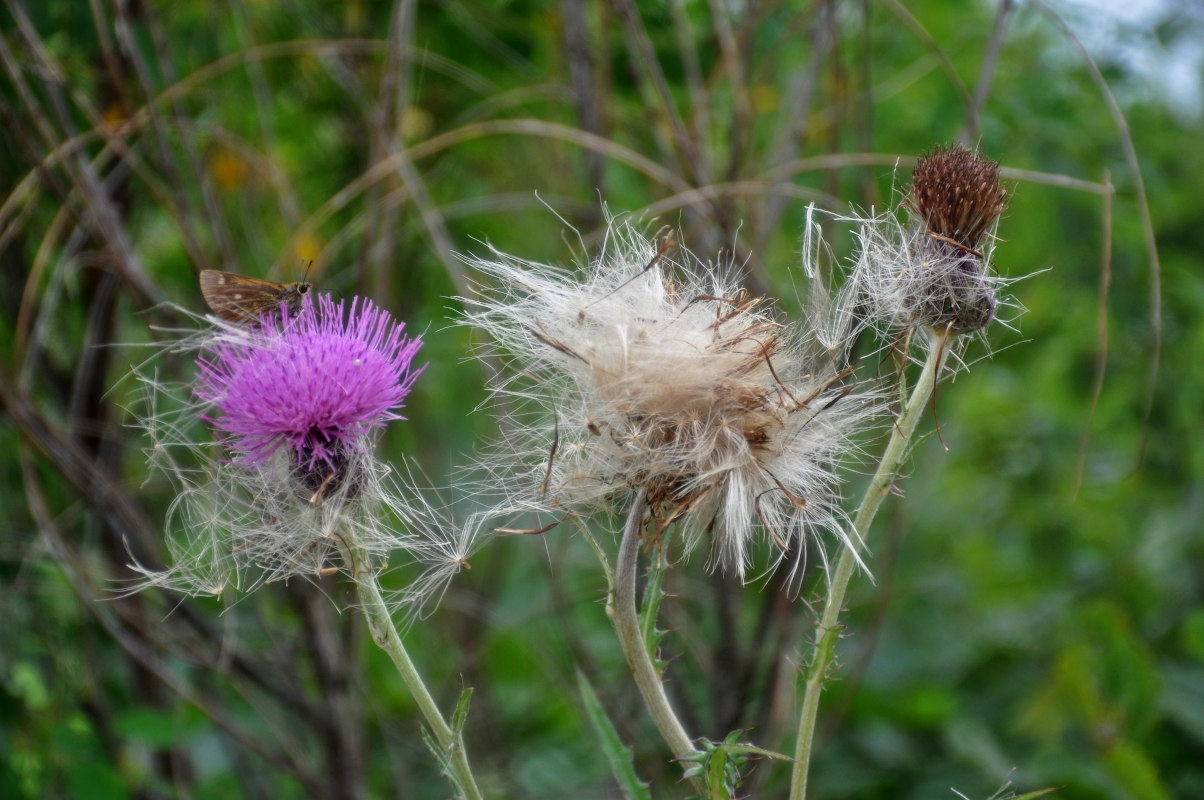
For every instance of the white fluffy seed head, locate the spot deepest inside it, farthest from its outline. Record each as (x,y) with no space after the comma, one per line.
(654,372)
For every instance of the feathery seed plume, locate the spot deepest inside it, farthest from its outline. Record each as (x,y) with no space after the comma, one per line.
(644,375)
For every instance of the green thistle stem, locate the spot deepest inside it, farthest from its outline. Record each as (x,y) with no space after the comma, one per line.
(387,638)
(828,630)
(627,625)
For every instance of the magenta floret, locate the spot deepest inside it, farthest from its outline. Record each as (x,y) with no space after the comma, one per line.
(315,384)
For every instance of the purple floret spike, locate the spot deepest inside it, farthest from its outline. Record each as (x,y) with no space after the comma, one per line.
(315,384)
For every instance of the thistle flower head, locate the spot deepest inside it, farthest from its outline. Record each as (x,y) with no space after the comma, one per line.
(297,403)
(669,382)
(315,384)
(935,271)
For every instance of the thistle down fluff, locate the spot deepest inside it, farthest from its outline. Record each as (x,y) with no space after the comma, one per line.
(296,402)
(643,375)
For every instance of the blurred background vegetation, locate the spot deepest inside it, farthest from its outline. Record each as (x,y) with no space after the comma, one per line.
(1037,613)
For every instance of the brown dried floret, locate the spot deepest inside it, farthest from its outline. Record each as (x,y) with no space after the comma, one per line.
(958,193)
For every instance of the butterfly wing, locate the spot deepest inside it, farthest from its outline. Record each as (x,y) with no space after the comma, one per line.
(237,298)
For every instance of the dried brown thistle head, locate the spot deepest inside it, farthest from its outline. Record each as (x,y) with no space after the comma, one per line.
(958,193)
(959,196)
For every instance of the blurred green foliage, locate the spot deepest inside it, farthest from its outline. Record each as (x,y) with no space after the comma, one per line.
(1037,608)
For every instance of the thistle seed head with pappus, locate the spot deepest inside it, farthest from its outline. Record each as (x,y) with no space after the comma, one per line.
(654,372)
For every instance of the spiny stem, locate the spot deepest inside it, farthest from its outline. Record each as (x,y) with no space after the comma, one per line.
(387,638)
(828,630)
(627,626)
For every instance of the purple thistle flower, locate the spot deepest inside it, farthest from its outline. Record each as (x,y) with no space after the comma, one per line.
(315,384)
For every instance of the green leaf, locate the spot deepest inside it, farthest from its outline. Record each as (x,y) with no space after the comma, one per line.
(1182,699)
(649,607)
(721,763)
(461,712)
(445,765)
(738,747)
(1135,772)
(26,682)
(1036,794)
(617,753)
(717,788)
(1192,634)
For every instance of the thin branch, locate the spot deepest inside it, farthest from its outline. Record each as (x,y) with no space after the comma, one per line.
(687,150)
(1101,332)
(955,80)
(285,759)
(990,59)
(1147,227)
